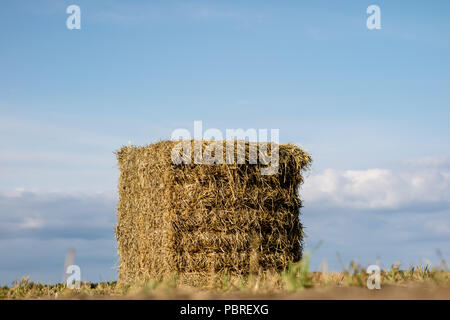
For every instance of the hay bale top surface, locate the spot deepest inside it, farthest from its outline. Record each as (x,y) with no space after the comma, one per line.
(290,155)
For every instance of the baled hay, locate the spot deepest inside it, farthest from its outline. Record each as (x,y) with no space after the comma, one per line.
(202,218)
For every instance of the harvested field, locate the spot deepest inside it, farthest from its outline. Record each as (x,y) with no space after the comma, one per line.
(295,283)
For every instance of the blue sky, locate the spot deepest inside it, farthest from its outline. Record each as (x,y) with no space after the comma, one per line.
(372,107)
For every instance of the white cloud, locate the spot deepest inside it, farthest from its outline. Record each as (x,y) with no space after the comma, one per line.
(31,223)
(439,227)
(14,193)
(433,162)
(424,185)
(46,157)
(37,228)
(43,215)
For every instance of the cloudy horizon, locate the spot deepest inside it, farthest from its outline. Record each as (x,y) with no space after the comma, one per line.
(373,215)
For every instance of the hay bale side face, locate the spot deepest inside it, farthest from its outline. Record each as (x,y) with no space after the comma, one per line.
(198,219)
(143,226)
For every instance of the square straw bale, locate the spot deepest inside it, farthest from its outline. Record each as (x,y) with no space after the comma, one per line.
(203,218)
